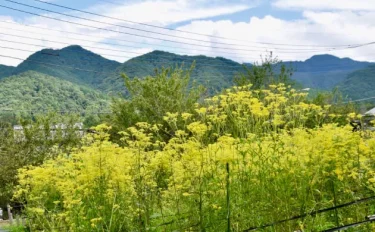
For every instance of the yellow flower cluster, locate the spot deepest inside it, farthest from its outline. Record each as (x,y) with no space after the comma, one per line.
(240,110)
(257,140)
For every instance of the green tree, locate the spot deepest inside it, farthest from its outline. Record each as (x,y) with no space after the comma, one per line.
(339,108)
(169,90)
(270,71)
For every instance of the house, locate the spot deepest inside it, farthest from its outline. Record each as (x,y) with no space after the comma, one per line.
(370,112)
(54,129)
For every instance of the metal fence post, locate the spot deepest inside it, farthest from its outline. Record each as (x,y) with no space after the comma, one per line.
(228,200)
(10,214)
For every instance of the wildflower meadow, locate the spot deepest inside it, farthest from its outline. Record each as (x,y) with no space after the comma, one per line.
(243,160)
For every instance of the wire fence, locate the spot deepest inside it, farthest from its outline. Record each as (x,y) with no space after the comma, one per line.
(313,213)
(227,218)
(182,216)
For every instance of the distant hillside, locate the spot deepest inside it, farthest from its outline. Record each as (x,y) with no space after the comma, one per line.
(214,73)
(359,84)
(6,71)
(319,72)
(324,71)
(37,92)
(74,56)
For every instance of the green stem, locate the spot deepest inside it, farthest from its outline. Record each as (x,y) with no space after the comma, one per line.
(335,202)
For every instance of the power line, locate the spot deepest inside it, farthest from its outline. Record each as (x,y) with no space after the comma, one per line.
(312,213)
(111,30)
(139,23)
(239,66)
(80,69)
(59,42)
(122,32)
(101,42)
(45,47)
(109,43)
(127,27)
(305,50)
(88,46)
(106,49)
(171,29)
(24,50)
(111,24)
(49,64)
(340,228)
(358,100)
(142,61)
(112,2)
(120,45)
(106,38)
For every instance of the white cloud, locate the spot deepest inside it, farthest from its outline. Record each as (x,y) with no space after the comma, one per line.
(159,12)
(362,5)
(163,12)
(315,28)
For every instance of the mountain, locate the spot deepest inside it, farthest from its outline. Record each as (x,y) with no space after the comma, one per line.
(33,91)
(105,75)
(324,71)
(6,71)
(214,73)
(359,84)
(94,71)
(97,67)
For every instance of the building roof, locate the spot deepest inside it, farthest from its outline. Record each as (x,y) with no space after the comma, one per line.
(370,112)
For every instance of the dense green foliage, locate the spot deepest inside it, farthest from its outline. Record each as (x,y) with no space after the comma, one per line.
(270,72)
(97,67)
(214,73)
(339,109)
(32,91)
(6,71)
(359,84)
(32,144)
(151,98)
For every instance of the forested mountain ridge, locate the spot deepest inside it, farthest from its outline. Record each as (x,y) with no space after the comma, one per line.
(324,71)
(94,67)
(6,71)
(214,73)
(327,63)
(359,84)
(105,75)
(94,71)
(33,91)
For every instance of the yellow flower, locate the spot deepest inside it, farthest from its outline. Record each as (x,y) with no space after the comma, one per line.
(186,116)
(197,128)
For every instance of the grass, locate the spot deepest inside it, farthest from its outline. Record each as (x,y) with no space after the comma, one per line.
(4,224)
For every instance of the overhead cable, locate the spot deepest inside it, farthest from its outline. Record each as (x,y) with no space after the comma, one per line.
(173,29)
(132,34)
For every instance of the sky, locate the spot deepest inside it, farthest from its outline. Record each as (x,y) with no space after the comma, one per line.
(242,30)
